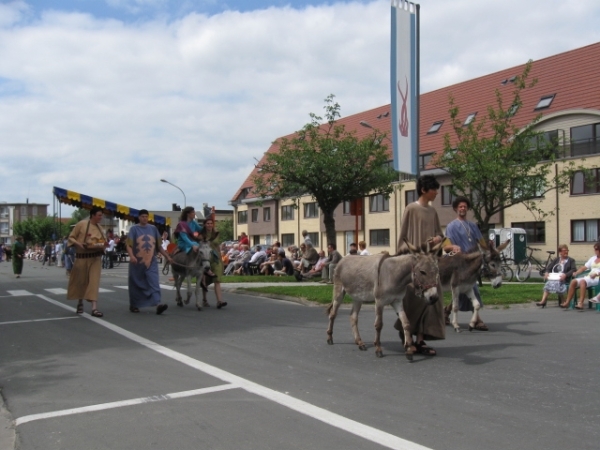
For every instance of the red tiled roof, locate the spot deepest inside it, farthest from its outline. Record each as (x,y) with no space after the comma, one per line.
(572,76)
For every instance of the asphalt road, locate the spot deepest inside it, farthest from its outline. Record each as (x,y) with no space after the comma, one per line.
(258,374)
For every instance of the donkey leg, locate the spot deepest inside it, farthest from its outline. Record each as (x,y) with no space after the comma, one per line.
(455,294)
(378,327)
(354,324)
(178,281)
(475,315)
(408,342)
(188,279)
(338,295)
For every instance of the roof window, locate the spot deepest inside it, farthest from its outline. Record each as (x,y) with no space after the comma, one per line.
(435,127)
(545,102)
(470,118)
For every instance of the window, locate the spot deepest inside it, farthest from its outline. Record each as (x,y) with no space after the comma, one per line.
(287,240)
(4,227)
(346,207)
(470,118)
(410,196)
(256,238)
(287,212)
(536,231)
(527,188)
(435,127)
(23,210)
(585,230)
(424,160)
(34,210)
(3,212)
(311,210)
(512,110)
(242,216)
(585,140)
(314,238)
(545,102)
(255,215)
(379,238)
(547,142)
(267,214)
(379,203)
(447,196)
(587,182)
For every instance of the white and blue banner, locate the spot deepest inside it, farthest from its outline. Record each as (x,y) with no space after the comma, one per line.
(405,85)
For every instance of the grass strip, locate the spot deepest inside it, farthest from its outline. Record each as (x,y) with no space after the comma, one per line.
(508,294)
(256,279)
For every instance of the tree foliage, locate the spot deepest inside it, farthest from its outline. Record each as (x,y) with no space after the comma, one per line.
(497,165)
(329,163)
(38,230)
(225,228)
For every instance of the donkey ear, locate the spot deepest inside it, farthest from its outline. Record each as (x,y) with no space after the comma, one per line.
(436,250)
(412,248)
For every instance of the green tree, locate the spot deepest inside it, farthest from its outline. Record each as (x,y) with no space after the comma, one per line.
(327,162)
(38,230)
(78,215)
(225,228)
(497,165)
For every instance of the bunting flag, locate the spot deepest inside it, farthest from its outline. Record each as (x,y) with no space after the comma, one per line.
(122,212)
(404,84)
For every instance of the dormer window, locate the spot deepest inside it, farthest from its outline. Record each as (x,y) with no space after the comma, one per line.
(435,127)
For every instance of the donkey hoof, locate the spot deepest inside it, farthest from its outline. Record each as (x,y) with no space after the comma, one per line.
(362,347)
(457,330)
(471,328)
(179,303)
(409,356)
(330,341)
(379,353)
(187,301)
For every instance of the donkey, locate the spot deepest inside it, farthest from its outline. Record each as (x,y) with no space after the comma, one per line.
(384,279)
(460,271)
(188,265)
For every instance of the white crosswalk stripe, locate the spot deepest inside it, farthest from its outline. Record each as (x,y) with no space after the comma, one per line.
(19,293)
(56,291)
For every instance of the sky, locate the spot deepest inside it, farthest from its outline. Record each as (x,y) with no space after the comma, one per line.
(108,97)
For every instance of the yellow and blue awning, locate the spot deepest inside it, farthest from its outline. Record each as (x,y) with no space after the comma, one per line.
(122,212)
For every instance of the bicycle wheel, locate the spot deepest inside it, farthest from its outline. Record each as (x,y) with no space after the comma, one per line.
(523,270)
(507,273)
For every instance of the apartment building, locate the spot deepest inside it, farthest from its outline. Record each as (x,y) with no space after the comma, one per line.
(11,213)
(568,97)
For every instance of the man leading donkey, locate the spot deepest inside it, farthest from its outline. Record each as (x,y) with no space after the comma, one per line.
(467,236)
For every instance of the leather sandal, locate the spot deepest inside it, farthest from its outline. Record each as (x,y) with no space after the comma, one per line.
(79,309)
(133,309)
(97,313)
(221,304)
(161,308)
(424,349)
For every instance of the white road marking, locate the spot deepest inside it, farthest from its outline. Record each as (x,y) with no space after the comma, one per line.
(19,293)
(162,286)
(104,290)
(37,320)
(361,430)
(57,291)
(120,404)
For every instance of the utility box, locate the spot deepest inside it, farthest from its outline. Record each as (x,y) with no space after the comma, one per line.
(517,250)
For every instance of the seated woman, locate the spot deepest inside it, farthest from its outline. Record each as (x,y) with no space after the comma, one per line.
(565,267)
(591,280)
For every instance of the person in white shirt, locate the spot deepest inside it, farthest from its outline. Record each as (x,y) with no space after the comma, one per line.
(58,250)
(259,255)
(362,249)
(110,251)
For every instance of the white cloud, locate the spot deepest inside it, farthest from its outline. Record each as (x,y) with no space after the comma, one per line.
(108,108)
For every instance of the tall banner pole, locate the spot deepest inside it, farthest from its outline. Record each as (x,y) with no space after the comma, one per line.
(404,85)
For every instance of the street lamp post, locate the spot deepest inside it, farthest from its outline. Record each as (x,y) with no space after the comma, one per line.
(184,199)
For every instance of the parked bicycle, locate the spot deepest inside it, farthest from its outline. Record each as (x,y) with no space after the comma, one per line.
(506,267)
(524,267)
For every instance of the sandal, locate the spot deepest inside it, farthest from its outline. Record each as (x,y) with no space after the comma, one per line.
(96,313)
(161,308)
(79,309)
(221,304)
(423,349)
(481,326)
(205,304)
(133,309)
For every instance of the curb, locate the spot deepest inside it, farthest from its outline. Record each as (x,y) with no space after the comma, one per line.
(8,434)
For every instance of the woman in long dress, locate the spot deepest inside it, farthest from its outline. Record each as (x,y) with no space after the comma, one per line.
(18,256)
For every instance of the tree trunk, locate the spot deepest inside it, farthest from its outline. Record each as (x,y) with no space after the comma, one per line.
(329,227)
